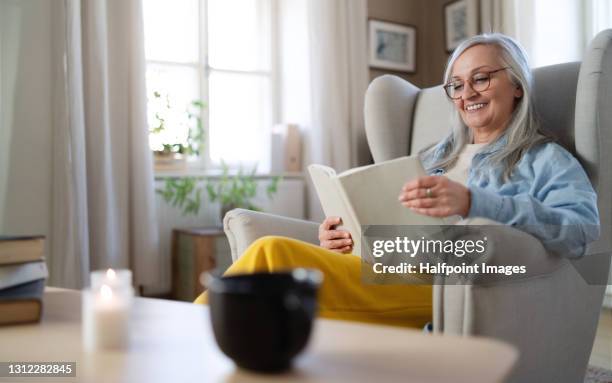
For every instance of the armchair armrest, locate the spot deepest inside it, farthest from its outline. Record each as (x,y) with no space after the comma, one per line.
(242,227)
(509,246)
(549,299)
(453,296)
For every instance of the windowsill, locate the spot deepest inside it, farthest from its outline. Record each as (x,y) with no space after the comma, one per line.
(217,173)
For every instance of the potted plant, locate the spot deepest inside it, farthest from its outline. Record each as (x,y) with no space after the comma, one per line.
(237,191)
(231,191)
(171,150)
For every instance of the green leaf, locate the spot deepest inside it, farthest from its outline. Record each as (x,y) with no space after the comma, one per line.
(273,186)
(212,195)
(236,190)
(198,104)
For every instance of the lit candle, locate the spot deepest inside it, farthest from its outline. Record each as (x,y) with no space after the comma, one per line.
(106,310)
(113,278)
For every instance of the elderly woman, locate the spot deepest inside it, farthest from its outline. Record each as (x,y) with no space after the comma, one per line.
(495,164)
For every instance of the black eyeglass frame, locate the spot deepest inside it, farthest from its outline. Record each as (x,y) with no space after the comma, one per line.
(488,73)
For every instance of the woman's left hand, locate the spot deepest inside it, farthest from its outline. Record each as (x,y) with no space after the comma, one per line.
(436,196)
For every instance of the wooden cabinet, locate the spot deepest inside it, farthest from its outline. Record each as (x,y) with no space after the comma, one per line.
(193,252)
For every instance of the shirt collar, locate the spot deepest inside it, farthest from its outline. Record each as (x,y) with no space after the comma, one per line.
(494,147)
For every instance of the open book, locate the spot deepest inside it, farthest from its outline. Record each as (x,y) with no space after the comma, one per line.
(368,195)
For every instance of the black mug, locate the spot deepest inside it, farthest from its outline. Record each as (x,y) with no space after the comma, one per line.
(263,320)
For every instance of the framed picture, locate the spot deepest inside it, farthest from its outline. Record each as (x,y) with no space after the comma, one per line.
(392,46)
(460,22)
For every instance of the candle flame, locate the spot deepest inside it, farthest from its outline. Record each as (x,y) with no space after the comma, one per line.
(110,274)
(106,292)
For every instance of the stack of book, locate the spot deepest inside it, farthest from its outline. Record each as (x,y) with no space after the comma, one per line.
(23,273)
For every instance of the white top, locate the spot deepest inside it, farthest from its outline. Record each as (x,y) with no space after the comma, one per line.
(459,172)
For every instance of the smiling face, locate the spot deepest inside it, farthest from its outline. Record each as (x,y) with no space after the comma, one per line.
(487,112)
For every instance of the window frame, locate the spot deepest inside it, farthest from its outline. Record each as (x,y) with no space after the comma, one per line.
(204,70)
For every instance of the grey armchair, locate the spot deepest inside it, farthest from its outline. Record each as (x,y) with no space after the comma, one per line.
(550,314)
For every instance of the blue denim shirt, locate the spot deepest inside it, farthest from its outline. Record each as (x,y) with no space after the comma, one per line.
(548,195)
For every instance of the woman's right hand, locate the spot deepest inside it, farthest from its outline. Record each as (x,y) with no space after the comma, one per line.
(335,240)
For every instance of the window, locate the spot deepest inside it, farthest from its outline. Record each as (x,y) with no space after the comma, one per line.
(557,31)
(221,52)
(558,35)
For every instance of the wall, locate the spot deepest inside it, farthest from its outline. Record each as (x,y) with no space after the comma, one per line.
(427,17)
(436,41)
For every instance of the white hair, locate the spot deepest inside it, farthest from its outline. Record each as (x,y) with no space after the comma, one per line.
(523,129)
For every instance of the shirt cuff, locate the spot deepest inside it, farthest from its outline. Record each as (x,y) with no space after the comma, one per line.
(484,203)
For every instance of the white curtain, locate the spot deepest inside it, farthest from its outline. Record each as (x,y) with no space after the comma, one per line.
(597,17)
(10,31)
(339,78)
(325,76)
(498,16)
(515,18)
(103,199)
(551,31)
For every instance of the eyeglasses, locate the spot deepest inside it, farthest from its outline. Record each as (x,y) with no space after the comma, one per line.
(479,82)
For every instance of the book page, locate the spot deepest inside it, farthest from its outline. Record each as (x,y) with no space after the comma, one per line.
(373,192)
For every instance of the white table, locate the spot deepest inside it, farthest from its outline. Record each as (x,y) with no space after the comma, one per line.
(173,342)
